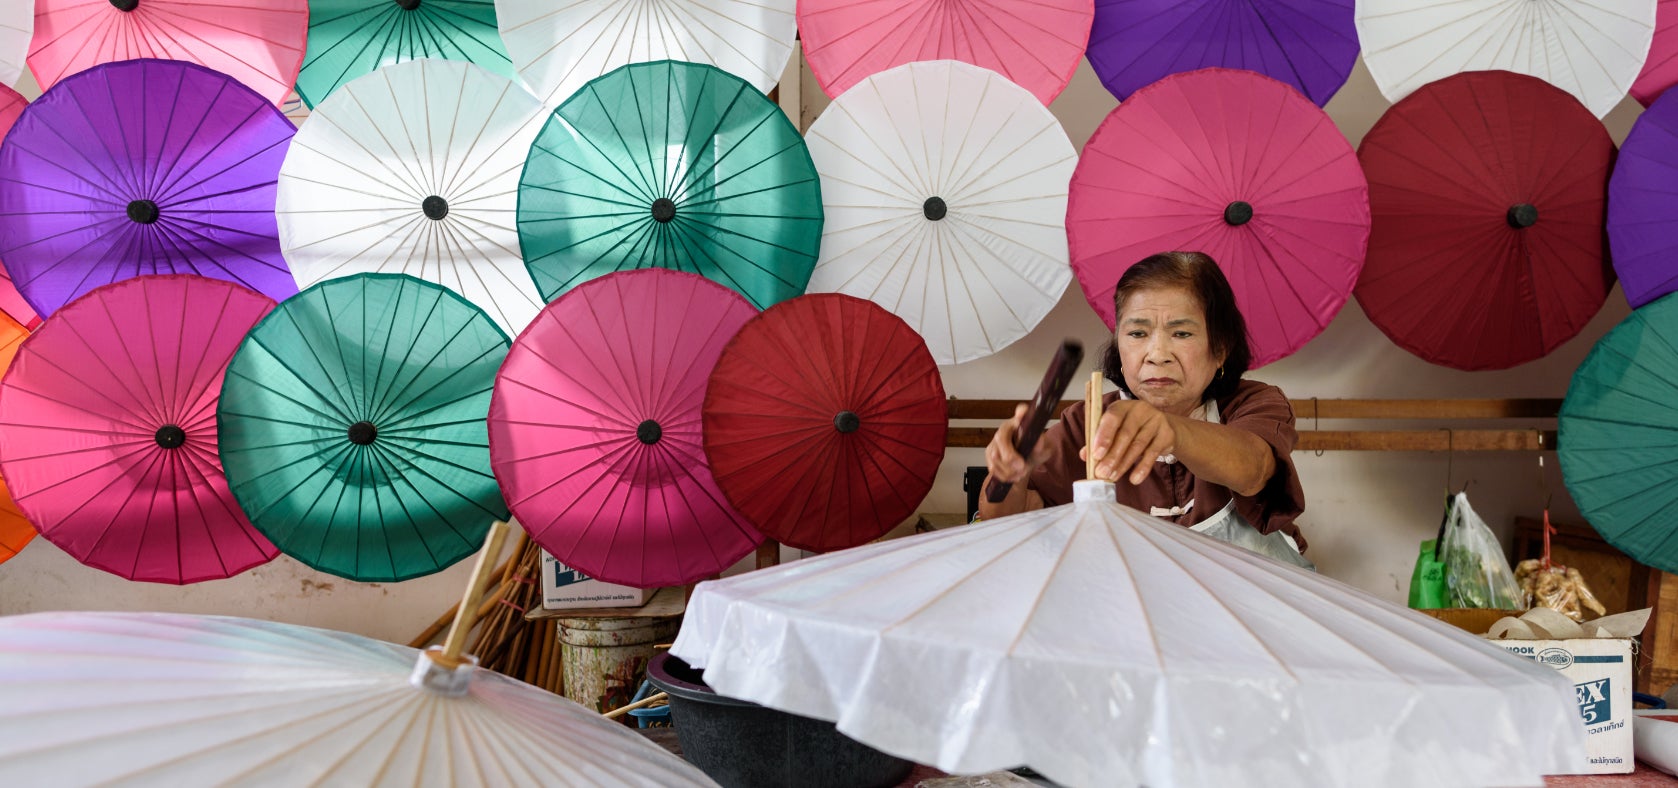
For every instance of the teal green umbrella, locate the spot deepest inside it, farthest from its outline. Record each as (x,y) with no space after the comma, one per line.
(352,424)
(1619,435)
(671,165)
(348,38)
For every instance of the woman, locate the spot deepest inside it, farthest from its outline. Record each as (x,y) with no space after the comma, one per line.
(1184,437)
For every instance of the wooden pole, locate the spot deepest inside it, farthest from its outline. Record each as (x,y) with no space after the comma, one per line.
(640,704)
(465,614)
(1092,421)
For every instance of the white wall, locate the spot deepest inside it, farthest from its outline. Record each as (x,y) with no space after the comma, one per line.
(1366,511)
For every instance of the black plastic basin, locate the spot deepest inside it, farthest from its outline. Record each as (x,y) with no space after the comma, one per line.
(743,745)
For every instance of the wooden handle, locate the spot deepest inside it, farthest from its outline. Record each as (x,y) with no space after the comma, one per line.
(467,613)
(1092,421)
(647,701)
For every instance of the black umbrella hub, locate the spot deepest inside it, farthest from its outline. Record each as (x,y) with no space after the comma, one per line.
(435,207)
(408,5)
(170,436)
(125,5)
(1238,213)
(649,432)
(143,212)
(664,209)
(847,422)
(363,433)
(1522,215)
(935,209)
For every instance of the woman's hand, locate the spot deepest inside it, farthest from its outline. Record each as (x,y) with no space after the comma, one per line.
(1129,440)
(1002,460)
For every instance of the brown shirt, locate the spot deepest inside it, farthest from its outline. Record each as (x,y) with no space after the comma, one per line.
(1258,408)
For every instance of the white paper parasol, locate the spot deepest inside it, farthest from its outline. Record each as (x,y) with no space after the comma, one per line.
(1593,49)
(558,47)
(944,186)
(17,26)
(170,700)
(414,169)
(1103,647)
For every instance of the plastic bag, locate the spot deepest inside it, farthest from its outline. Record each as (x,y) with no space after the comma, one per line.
(1427,580)
(1476,572)
(1559,588)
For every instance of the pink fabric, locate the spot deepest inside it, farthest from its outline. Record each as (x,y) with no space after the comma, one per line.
(1660,71)
(570,410)
(1161,170)
(1036,43)
(80,412)
(12,104)
(258,43)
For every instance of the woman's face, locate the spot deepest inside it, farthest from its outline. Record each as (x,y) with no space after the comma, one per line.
(1164,349)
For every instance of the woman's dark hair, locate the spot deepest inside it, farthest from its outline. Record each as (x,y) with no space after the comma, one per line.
(1226,330)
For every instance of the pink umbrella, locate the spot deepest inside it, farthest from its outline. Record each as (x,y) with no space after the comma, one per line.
(11,301)
(108,429)
(1035,43)
(259,44)
(594,429)
(1241,167)
(1660,71)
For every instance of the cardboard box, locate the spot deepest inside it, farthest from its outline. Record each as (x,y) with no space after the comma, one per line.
(1600,669)
(564,588)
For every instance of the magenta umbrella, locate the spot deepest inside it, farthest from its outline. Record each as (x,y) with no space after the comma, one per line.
(1241,167)
(108,429)
(594,429)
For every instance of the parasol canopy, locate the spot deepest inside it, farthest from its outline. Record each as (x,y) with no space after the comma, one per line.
(1308,44)
(353,431)
(1660,69)
(11,301)
(350,38)
(414,169)
(945,194)
(17,26)
(210,700)
(595,429)
(259,44)
(1103,647)
(559,47)
(15,530)
(1035,43)
(108,436)
(671,165)
(1618,429)
(1641,203)
(1241,167)
(1487,248)
(1591,49)
(142,167)
(825,421)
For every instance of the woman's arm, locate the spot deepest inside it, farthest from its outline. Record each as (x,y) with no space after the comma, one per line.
(1133,434)
(1006,464)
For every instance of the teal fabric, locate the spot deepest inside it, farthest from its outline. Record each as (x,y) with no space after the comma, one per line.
(412,359)
(741,200)
(349,38)
(1619,435)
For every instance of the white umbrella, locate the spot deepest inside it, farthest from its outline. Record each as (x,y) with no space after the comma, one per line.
(17,26)
(1593,49)
(171,699)
(558,47)
(1103,647)
(944,187)
(414,169)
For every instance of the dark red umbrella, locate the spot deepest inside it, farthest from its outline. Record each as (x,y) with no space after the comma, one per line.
(825,421)
(1487,192)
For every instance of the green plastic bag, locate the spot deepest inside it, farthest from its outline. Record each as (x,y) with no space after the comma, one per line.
(1427,580)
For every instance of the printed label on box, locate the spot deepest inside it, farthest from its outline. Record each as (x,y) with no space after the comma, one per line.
(1600,670)
(565,588)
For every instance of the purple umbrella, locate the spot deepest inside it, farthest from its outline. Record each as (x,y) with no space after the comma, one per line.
(1309,44)
(142,167)
(1643,206)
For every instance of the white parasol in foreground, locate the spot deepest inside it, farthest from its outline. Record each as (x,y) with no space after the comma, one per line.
(17,27)
(944,188)
(1100,646)
(414,169)
(167,699)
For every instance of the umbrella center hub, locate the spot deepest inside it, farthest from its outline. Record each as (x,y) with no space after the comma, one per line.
(435,207)
(847,421)
(664,209)
(934,209)
(362,433)
(1522,215)
(143,212)
(170,436)
(125,5)
(408,5)
(649,432)
(1238,213)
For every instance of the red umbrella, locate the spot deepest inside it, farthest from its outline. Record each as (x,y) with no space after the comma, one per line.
(11,301)
(825,421)
(108,429)
(1488,195)
(594,429)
